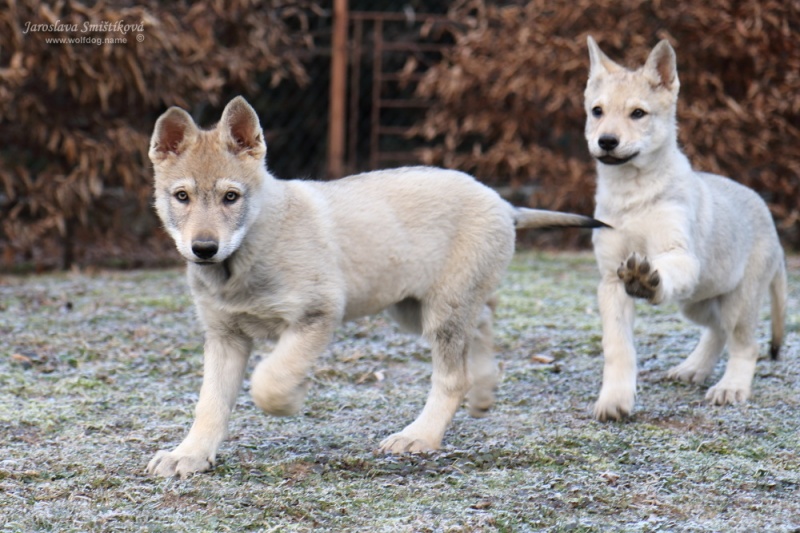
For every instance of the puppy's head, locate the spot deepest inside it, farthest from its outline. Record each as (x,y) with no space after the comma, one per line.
(208,183)
(630,114)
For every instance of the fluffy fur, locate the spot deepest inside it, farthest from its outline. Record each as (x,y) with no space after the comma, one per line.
(291,260)
(698,239)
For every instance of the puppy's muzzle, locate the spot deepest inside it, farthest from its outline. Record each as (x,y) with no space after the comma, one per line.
(608,143)
(205,249)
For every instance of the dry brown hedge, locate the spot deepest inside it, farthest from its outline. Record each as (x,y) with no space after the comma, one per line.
(508,97)
(75,119)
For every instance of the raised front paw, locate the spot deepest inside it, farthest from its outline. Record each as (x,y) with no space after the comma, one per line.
(176,464)
(640,280)
(274,391)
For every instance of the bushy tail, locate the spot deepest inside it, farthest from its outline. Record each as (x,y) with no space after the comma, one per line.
(777,294)
(539,218)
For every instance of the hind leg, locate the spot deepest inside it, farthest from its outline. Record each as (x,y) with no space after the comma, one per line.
(700,363)
(734,387)
(408,315)
(739,312)
(449,381)
(483,371)
(482,366)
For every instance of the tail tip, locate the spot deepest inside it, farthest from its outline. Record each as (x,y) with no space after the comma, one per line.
(599,224)
(774,350)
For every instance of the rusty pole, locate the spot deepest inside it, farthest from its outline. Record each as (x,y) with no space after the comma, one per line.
(338,95)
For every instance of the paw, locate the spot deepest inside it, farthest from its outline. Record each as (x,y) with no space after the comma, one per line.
(613,404)
(407,443)
(727,393)
(639,278)
(688,373)
(277,402)
(175,464)
(480,402)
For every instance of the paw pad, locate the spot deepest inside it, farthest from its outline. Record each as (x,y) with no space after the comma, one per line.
(640,280)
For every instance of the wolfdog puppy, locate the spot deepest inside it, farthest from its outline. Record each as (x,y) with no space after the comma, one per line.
(701,240)
(290,260)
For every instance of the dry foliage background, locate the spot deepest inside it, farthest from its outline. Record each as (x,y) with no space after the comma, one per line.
(508,99)
(75,120)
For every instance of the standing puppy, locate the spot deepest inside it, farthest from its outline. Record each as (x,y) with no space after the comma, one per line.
(291,260)
(698,239)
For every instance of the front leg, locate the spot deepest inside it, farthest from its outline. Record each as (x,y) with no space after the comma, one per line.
(618,392)
(224,362)
(671,275)
(280,381)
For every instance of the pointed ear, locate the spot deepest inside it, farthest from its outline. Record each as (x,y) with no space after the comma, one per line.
(599,62)
(240,128)
(173,133)
(660,67)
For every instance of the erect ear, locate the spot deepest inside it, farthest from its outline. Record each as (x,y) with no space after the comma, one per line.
(660,67)
(240,128)
(173,133)
(599,62)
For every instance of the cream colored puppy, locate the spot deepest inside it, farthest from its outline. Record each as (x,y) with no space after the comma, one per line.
(698,239)
(291,260)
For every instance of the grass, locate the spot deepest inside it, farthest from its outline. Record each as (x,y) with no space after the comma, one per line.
(98,372)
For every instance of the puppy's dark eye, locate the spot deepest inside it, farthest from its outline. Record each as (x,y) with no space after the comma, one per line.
(182,196)
(231,196)
(637,113)
(597,111)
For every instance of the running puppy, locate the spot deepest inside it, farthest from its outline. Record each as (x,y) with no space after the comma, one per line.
(291,260)
(698,239)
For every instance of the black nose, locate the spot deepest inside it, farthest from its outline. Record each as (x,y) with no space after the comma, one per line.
(608,142)
(204,249)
